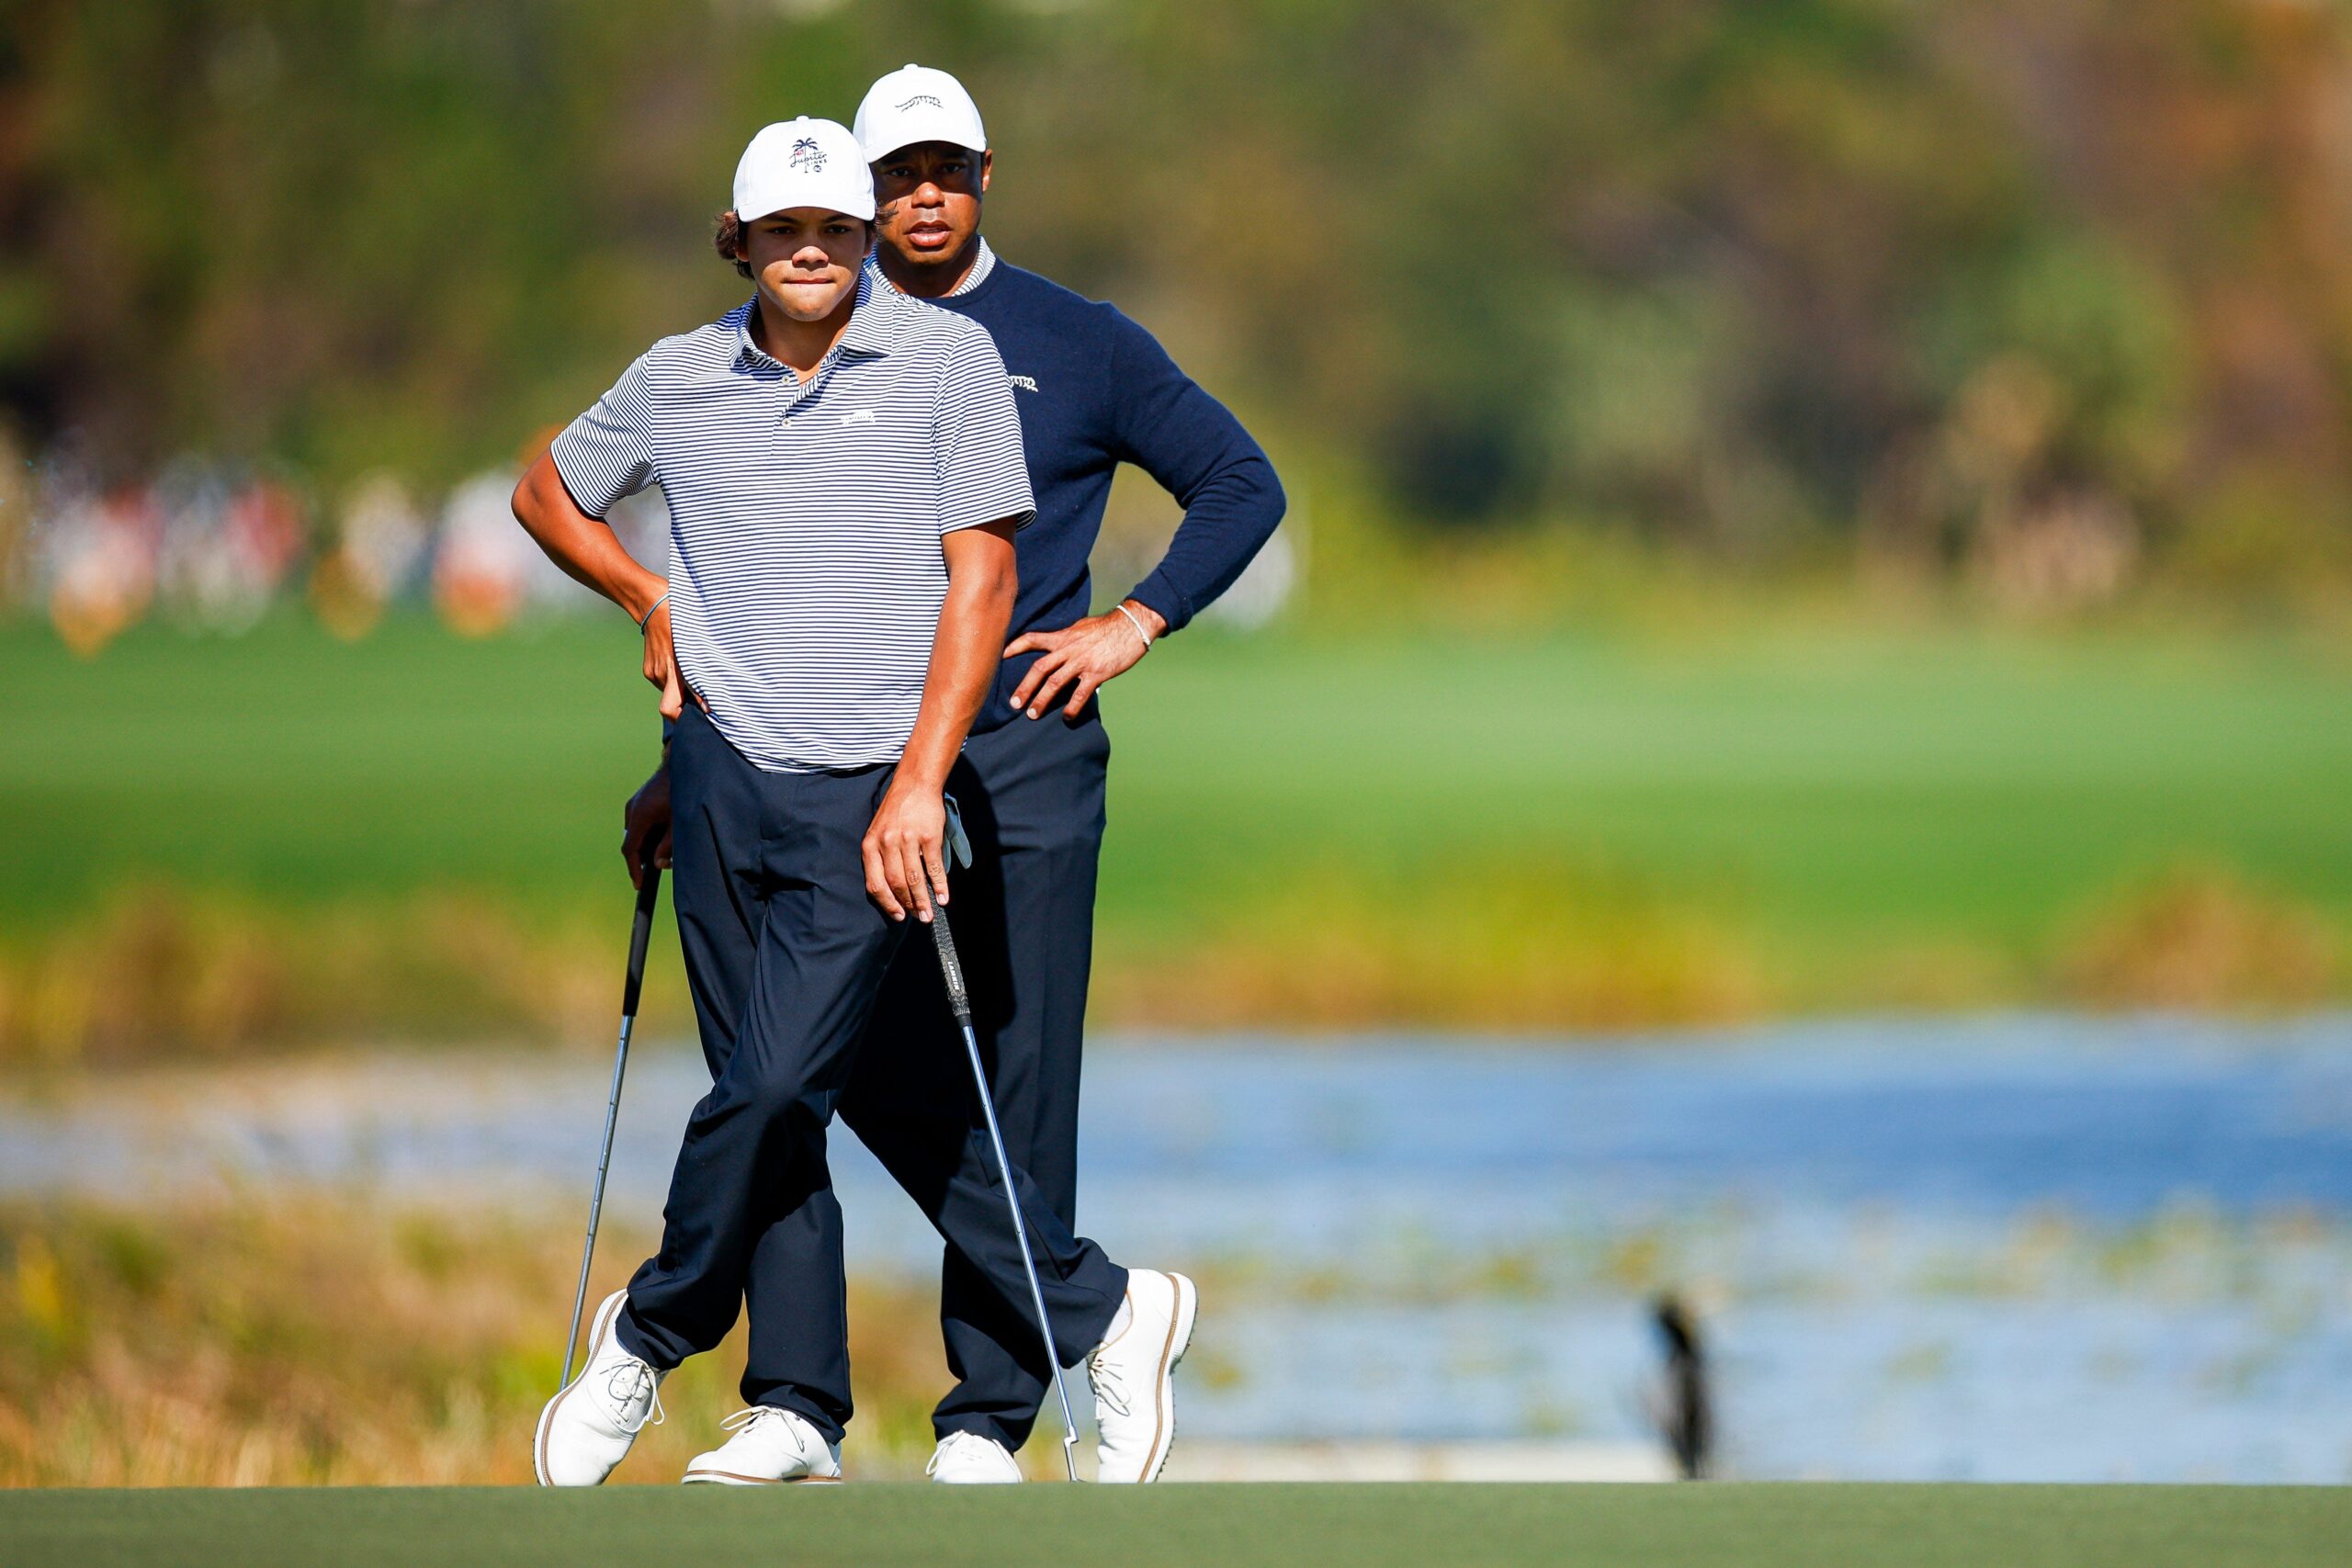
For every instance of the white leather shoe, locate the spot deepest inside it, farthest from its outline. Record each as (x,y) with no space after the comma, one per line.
(769,1447)
(587,1429)
(1132,1372)
(966,1459)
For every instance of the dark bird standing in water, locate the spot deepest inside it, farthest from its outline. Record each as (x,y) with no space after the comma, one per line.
(1684,1419)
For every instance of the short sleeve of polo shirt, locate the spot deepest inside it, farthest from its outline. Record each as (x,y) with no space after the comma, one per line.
(976,439)
(606,454)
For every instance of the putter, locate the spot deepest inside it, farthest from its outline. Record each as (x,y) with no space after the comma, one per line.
(648,893)
(959,1000)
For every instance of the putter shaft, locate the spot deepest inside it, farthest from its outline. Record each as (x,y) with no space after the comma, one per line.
(960,1001)
(649,893)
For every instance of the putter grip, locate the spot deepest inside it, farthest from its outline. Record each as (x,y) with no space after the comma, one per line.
(959,1000)
(640,931)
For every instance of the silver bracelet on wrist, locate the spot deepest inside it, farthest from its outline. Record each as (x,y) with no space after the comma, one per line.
(647,619)
(1137,624)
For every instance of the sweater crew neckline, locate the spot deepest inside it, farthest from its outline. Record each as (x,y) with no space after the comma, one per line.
(994,269)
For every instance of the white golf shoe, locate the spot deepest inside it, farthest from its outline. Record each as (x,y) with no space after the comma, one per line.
(587,1429)
(769,1447)
(1132,1372)
(966,1459)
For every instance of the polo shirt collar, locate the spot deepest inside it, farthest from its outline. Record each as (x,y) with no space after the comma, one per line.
(871,328)
(872,325)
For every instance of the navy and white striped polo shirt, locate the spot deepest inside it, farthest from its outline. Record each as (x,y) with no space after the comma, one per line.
(806,574)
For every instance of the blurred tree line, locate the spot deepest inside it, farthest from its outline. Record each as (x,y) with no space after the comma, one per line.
(2041,289)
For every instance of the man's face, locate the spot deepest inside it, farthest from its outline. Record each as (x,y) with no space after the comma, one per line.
(806,259)
(929,200)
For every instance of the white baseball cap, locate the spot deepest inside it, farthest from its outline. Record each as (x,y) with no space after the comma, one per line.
(802,162)
(914,103)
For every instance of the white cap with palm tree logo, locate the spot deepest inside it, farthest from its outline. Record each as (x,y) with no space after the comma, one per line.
(802,162)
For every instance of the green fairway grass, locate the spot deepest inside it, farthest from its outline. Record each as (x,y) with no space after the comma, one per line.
(1230,1526)
(1779,819)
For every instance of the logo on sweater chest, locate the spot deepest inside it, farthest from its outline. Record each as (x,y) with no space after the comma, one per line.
(1026,383)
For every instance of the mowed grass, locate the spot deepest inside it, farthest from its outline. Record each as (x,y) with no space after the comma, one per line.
(1631,828)
(1231,1526)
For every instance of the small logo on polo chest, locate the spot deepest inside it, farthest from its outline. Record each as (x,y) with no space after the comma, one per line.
(858,416)
(1026,383)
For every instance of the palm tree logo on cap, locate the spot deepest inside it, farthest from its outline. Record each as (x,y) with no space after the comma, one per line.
(807,155)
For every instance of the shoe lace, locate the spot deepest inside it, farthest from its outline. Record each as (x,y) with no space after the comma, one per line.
(951,1443)
(751,1415)
(631,1381)
(1108,1386)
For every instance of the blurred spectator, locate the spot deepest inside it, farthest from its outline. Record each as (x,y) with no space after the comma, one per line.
(190,500)
(100,564)
(483,567)
(17,490)
(380,544)
(215,553)
(488,570)
(224,548)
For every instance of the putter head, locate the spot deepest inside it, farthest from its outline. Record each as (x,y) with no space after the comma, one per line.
(960,845)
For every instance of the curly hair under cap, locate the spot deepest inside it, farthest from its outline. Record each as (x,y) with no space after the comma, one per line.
(727,239)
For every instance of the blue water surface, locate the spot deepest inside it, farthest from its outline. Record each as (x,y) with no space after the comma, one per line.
(2029,1248)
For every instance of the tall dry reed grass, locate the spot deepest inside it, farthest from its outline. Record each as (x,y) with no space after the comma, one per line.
(2200,936)
(1493,944)
(316,1339)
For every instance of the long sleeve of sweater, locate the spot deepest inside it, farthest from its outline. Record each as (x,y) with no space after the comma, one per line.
(1166,426)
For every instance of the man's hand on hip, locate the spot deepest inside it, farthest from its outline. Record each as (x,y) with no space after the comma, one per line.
(645,822)
(1081,656)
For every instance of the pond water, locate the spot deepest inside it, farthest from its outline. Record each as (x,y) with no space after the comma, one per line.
(2019,1248)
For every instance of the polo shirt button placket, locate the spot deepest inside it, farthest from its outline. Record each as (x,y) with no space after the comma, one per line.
(799,394)
(824,372)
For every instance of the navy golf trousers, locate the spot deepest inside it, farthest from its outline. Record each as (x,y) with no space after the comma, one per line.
(1031,795)
(786,958)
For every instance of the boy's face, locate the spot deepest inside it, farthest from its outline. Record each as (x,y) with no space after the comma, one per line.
(806,259)
(928,201)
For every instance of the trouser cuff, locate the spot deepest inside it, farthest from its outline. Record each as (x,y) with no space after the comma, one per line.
(638,1343)
(1078,1330)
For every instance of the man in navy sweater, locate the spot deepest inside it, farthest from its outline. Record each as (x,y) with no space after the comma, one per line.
(1094,390)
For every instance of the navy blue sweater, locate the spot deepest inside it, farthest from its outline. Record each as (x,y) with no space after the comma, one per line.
(1096,390)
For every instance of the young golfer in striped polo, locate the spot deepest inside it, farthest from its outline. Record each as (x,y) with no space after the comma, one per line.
(844,475)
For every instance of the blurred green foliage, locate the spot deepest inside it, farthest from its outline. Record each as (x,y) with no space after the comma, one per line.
(2050,294)
(284,838)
